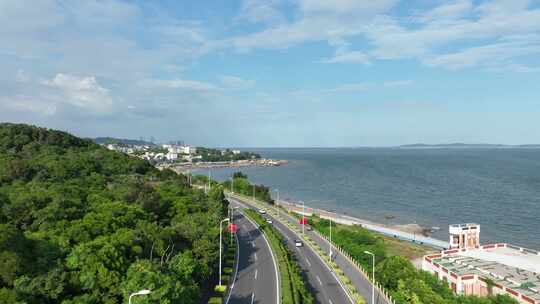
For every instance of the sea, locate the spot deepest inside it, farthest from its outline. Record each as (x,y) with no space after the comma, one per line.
(496,188)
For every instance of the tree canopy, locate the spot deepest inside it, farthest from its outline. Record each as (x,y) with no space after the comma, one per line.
(82,224)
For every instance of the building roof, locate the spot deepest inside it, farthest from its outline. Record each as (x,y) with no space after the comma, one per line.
(509,266)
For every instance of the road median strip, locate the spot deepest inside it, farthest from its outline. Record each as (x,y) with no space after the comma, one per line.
(293,290)
(344,281)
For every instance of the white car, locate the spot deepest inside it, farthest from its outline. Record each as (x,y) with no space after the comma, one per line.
(261,211)
(298,243)
(269,221)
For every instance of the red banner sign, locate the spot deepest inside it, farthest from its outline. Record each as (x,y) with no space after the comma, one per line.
(233,228)
(303,221)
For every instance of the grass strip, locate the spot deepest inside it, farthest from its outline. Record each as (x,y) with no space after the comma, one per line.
(293,287)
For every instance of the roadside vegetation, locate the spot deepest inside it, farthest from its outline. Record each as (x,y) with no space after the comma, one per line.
(216,155)
(241,185)
(293,286)
(82,224)
(396,273)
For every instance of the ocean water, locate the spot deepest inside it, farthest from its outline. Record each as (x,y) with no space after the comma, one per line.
(496,188)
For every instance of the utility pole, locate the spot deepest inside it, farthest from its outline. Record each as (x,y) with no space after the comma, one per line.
(330,251)
(373,277)
(220,246)
(303,216)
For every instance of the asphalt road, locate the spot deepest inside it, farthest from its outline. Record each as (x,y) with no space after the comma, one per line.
(256,277)
(320,279)
(362,285)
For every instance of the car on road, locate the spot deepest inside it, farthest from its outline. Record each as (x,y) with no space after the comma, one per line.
(309,228)
(262,211)
(269,221)
(298,243)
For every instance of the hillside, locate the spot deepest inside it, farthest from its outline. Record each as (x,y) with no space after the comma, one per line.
(82,224)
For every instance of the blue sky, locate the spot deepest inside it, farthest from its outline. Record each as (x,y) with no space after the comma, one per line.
(277,72)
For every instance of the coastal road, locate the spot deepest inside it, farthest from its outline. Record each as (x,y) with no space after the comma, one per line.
(256,277)
(358,279)
(322,282)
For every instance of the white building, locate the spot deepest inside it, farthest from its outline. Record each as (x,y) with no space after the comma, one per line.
(172,156)
(474,269)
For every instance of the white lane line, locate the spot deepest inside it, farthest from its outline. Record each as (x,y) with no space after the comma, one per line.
(319,279)
(236,268)
(307,261)
(255,255)
(256,272)
(278,292)
(252,297)
(253,244)
(330,301)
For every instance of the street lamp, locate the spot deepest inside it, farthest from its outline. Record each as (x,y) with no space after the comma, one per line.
(303,215)
(277,191)
(139,293)
(220,237)
(373,276)
(330,218)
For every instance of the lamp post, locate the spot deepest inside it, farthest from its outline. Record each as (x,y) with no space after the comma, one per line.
(277,191)
(253,186)
(220,236)
(373,277)
(232,183)
(330,251)
(209,176)
(303,215)
(139,293)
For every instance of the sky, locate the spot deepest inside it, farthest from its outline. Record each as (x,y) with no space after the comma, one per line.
(275,73)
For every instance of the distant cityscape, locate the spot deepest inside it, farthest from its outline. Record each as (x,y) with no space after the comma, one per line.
(180,156)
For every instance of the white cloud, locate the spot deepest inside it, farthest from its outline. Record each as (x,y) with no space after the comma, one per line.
(83,92)
(318,20)
(349,57)
(22,103)
(235,82)
(346,7)
(397,83)
(190,85)
(493,55)
(476,26)
(257,11)
(447,11)
(351,87)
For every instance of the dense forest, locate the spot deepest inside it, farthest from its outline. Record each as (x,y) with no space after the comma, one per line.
(82,224)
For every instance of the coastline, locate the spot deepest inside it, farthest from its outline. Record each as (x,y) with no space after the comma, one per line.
(264,162)
(413,233)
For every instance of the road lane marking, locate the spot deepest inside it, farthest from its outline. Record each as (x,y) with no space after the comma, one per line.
(330,301)
(256,271)
(253,244)
(255,255)
(319,279)
(236,268)
(252,297)
(307,261)
(278,292)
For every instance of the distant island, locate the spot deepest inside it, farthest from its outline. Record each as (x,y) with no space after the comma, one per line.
(468,146)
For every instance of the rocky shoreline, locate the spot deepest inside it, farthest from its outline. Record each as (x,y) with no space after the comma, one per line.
(185,167)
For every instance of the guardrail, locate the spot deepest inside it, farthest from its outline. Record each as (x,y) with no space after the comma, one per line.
(351,290)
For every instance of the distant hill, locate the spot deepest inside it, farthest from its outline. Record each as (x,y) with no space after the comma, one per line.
(468,146)
(132,142)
